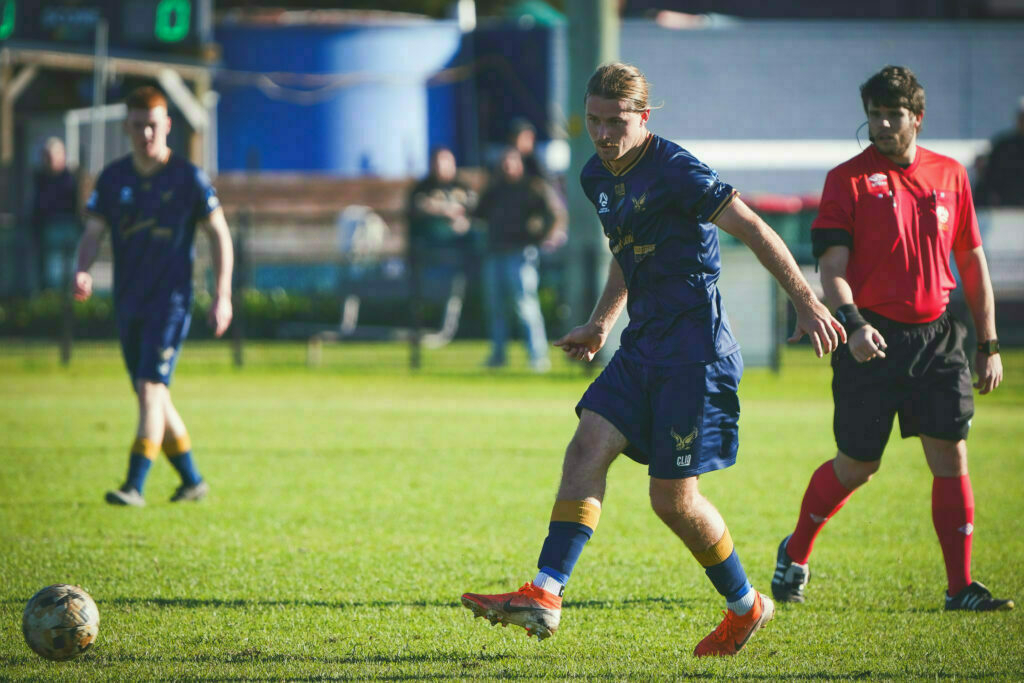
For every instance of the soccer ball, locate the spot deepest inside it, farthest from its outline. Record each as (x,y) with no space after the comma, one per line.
(60,622)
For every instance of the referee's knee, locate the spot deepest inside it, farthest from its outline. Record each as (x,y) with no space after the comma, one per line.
(853,473)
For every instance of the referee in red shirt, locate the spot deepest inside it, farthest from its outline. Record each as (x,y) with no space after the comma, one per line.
(888,220)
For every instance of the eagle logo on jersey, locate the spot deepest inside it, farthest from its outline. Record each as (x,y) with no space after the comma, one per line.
(878,179)
(602,200)
(683,443)
(640,204)
(942,213)
(166,196)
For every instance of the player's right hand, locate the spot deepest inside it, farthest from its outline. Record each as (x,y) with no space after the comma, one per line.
(82,287)
(583,342)
(867,344)
(824,331)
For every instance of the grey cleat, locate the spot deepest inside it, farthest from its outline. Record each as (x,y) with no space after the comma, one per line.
(125,495)
(194,492)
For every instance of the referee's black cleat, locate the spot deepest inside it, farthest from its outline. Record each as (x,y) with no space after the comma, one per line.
(977,598)
(790,578)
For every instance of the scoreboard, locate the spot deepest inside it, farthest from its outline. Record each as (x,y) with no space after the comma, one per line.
(178,27)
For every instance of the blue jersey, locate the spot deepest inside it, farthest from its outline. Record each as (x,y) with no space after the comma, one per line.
(152,221)
(657,215)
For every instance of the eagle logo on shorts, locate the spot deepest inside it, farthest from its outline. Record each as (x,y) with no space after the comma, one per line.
(684,443)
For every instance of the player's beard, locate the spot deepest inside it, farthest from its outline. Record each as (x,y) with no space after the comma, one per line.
(897,144)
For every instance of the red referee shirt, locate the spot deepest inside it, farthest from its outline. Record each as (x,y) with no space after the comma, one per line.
(900,225)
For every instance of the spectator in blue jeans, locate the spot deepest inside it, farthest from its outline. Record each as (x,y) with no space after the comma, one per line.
(521,214)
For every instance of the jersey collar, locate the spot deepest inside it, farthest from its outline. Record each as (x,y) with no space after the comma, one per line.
(909,170)
(643,151)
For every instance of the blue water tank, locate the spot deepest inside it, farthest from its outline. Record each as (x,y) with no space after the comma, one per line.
(342,99)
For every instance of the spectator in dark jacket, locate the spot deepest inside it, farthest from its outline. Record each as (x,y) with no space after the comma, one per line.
(521,212)
(54,206)
(1001,181)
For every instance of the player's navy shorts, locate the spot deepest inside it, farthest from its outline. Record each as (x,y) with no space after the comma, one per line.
(924,378)
(680,421)
(151,341)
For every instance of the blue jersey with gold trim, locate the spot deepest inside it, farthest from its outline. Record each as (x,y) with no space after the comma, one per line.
(657,214)
(152,221)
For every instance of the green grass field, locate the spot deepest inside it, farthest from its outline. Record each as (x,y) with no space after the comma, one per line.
(353,503)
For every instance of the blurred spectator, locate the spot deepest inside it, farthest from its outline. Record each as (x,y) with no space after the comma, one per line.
(1001,176)
(523,136)
(521,213)
(439,206)
(440,240)
(54,222)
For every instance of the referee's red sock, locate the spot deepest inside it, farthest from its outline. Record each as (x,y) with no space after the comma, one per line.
(823,498)
(953,517)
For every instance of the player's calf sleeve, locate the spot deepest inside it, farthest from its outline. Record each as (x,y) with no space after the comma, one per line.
(723,567)
(953,517)
(142,455)
(572,524)
(823,498)
(179,454)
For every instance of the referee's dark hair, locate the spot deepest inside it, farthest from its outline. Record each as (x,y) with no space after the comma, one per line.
(894,86)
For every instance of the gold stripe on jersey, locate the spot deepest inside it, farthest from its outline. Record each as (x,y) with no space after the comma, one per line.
(646,145)
(577,512)
(718,553)
(721,207)
(137,226)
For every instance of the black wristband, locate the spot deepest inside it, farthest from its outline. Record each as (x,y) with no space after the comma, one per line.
(989,347)
(850,317)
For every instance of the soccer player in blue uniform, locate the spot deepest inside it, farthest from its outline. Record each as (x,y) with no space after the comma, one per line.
(668,397)
(152,201)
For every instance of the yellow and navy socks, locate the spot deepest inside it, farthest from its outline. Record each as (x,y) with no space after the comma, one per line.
(723,567)
(143,454)
(179,454)
(572,524)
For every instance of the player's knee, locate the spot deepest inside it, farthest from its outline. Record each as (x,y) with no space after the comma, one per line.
(151,394)
(577,454)
(854,473)
(672,499)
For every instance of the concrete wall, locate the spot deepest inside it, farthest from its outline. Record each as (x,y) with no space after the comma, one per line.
(756,81)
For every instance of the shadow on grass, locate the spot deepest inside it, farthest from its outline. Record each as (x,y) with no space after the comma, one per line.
(471,665)
(243,603)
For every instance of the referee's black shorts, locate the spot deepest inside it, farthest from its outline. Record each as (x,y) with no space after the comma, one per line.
(924,378)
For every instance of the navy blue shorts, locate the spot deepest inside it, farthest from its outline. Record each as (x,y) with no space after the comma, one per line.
(680,421)
(151,343)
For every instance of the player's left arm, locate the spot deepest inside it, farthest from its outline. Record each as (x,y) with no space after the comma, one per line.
(973,269)
(813,317)
(215,225)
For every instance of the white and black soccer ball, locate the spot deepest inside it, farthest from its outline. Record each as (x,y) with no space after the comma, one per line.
(60,622)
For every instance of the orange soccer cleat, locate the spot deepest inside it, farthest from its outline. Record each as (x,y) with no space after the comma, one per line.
(533,608)
(734,631)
